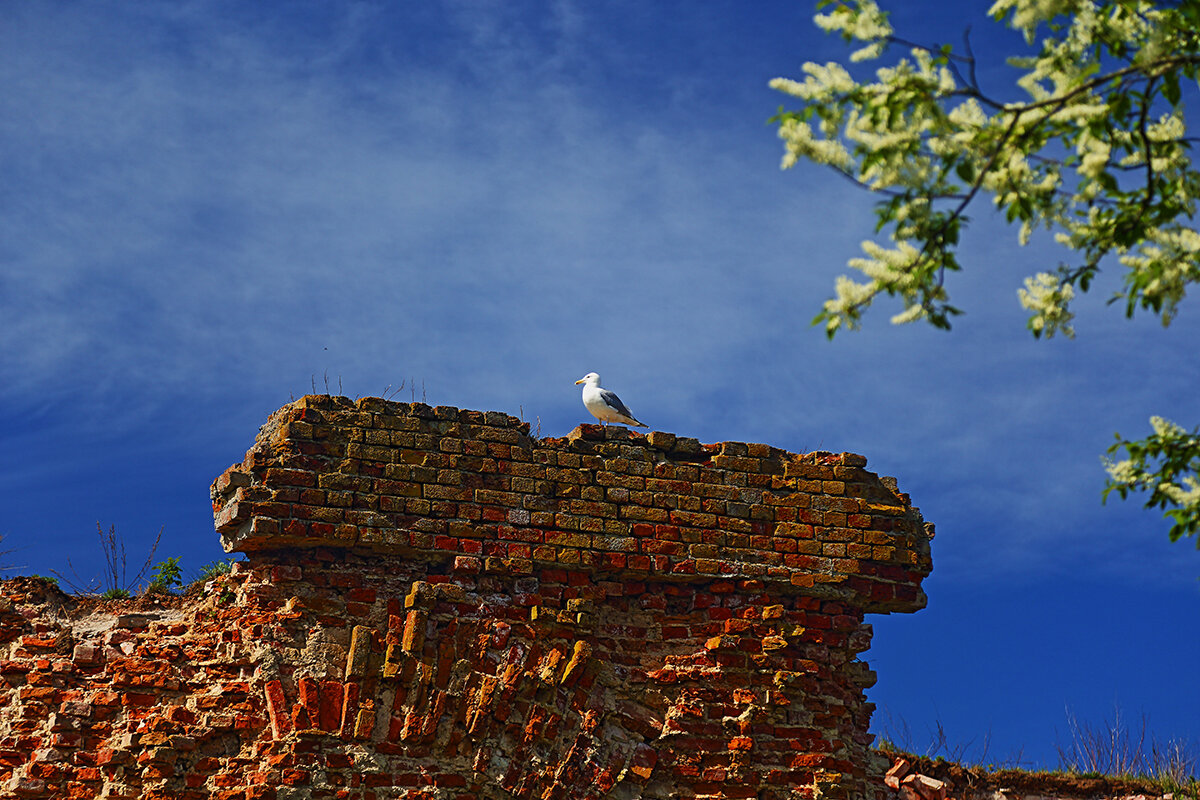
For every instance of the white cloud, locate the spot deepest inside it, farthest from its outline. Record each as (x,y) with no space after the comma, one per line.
(222,208)
(228,187)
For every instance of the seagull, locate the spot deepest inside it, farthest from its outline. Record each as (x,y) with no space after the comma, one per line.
(604,405)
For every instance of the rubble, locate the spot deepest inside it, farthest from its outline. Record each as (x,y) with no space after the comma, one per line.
(908,778)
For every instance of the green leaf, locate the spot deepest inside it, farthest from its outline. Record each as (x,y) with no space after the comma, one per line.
(1171,88)
(966,171)
(1103,214)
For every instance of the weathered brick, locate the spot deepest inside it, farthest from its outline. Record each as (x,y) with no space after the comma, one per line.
(430,588)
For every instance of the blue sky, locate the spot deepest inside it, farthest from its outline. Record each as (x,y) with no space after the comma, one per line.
(211,206)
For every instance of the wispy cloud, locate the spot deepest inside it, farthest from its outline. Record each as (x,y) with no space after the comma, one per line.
(212,203)
(194,193)
(212,206)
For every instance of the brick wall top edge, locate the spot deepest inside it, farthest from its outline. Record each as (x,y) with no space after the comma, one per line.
(393,407)
(475,489)
(655,440)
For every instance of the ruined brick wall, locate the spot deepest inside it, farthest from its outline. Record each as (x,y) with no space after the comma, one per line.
(437,605)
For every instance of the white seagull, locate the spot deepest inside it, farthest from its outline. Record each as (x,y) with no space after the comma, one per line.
(604,405)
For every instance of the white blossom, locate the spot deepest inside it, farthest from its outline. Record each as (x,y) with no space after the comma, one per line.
(1049,162)
(1047,296)
(1181,496)
(800,141)
(823,81)
(866,23)
(873,50)
(911,314)
(1094,155)
(1080,112)
(890,268)
(845,307)
(789,86)
(1028,14)
(968,114)
(851,294)
(1165,428)
(1171,257)
(1122,471)
(1025,233)
(1168,128)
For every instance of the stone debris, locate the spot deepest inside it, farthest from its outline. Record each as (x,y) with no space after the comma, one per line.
(912,785)
(897,771)
(924,787)
(903,780)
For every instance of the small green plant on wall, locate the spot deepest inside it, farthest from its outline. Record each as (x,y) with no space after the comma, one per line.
(166,576)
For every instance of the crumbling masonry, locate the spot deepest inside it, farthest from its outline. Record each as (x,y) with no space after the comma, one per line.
(437,605)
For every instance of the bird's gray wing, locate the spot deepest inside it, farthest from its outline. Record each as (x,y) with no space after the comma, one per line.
(614,402)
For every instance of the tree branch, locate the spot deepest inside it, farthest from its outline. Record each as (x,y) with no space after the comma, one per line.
(1149,196)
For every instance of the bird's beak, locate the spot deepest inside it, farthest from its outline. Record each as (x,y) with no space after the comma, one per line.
(581,380)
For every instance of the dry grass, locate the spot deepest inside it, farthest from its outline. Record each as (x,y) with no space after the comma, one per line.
(1113,749)
(896,734)
(115,581)
(1116,748)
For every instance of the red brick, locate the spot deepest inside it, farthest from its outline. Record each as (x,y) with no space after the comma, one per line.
(544,564)
(281,724)
(329,718)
